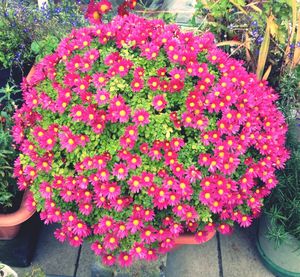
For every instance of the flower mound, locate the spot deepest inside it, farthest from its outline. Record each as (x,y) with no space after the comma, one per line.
(134,132)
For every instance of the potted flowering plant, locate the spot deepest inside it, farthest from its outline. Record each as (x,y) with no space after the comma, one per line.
(134,132)
(278,237)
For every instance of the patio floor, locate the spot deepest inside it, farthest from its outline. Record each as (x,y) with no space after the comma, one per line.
(227,256)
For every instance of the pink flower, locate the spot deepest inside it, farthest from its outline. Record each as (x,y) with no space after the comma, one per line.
(46,190)
(104,224)
(102,97)
(108,260)
(153,83)
(125,259)
(244,220)
(96,10)
(85,208)
(155,154)
(97,247)
(177,74)
(110,242)
(81,229)
(141,117)
(201,236)
(134,224)
(137,84)
(148,215)
(225,229)
(176,228)
(148,235)
(159,102)
(30,202)
(168,244)
(135,184)
(120,230)
(60,234)
(138,250)
(120,171)
(75,240)
(134,161)
(119,203)
(151,255)
(144,148)
(123,113)
(193,174)
(103,174)
(68,141)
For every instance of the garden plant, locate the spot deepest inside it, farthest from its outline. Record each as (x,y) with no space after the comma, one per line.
(134,132)
(22,38)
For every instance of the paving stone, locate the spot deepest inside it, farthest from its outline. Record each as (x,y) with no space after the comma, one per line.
(194,261)
(86,261)
(138,269)
(239,255)
(52,256)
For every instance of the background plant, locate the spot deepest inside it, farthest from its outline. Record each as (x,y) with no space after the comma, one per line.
(37,33)
(8,152)
(263,33)
(283,206)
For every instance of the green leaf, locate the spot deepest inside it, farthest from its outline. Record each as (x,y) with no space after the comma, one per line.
(35,47)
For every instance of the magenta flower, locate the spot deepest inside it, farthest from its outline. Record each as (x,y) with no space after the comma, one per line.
(141,117)
(120,171)
(125,259)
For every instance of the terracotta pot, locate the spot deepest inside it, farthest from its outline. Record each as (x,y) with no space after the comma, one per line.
(190,238)
(31,72)
(11,223)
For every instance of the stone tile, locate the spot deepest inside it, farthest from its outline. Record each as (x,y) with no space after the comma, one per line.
(194,261)
(53,257)
(239,255)
(86,261)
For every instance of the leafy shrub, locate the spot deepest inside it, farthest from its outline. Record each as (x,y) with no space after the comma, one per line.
(283,205)
(8,152)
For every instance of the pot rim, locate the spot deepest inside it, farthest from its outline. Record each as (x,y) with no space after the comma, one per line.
(19,216)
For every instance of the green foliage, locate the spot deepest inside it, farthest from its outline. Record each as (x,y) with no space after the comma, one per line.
(243,26)
(283,206)
(44,46)
(36,34)
(7,149)
(36,272)
(289,101)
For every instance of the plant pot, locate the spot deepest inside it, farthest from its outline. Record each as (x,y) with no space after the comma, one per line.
(10,223)
(283,261)
(18,235)
(6,271)
(190,238)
